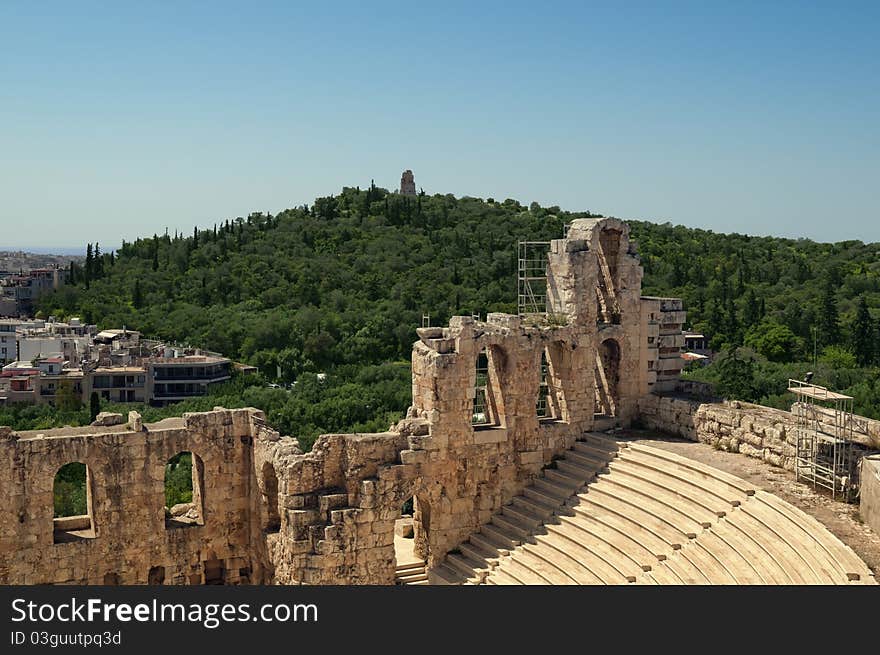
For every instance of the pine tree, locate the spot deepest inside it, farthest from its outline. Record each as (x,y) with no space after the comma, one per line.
(89,265)
(94,405)
(829,319)
(136,295)
(98,262)
(863,335)
(751,309)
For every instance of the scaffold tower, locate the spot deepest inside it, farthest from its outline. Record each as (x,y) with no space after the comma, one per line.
(532,277)
(825,425)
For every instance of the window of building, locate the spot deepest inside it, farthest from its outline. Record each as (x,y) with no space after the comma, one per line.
(184,477)
(72,499)
(481,412)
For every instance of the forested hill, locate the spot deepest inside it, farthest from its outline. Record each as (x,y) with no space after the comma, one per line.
(346,281)
(339,287)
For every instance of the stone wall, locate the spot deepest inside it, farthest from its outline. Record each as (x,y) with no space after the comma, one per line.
(753,430)
(127,541)
(869,492)
(761,432)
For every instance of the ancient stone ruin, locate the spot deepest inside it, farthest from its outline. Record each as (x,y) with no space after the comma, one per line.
(494,403)
(407,183)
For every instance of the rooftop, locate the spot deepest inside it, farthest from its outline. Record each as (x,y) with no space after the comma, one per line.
(189,359)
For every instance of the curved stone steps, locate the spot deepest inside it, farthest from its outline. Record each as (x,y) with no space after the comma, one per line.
(601,558)
(741,485)
(542,562)
(814,566)
(609,513)
(708,562)
(502,578)
(667,507)
(562,558)
(517,569)
(682,568)
(737,569)
(781,553)
(847,561)
(593,450)
(661,575)
(728,496)
(644,537)
(686,498)
(629,546)
(764,568)
(609,499)
(602,442)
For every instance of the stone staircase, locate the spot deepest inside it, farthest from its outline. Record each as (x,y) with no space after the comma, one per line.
(413,573)
(626,513)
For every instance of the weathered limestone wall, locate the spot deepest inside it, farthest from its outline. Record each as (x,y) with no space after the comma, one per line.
(130,543)
(869,492)
(753,430)
(337,507)
(761,432)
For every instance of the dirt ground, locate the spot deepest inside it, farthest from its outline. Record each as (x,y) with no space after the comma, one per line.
(841,518)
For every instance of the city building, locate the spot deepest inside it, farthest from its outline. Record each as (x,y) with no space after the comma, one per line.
(179,378)
(22,290)
(116,364)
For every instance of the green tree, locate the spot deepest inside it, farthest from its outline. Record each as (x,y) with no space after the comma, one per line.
(137,299)
(774,341)
(736,375)
(837,357)
(89,265)
(863,336)
(69,490)
(94,406)
(828,319)
(66,399)
(178,480)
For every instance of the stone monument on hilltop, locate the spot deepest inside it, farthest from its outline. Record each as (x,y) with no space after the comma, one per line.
(407,183)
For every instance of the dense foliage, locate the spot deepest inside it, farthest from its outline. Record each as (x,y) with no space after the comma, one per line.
(178,480)
(339,288)
(69,490)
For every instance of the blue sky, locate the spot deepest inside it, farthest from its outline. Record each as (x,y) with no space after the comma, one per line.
(122,119)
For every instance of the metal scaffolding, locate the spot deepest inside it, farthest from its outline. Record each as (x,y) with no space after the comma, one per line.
(825,425)
(532,277)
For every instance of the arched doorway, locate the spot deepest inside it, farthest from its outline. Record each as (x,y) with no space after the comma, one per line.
(607,378)
(410,543)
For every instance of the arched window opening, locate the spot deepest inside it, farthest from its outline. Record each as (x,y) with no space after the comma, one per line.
(481,414)
(184,476)
(72,499)
(404,524)
(272,520)
(607,378)
(547,406)
(486,394)
(608,310)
